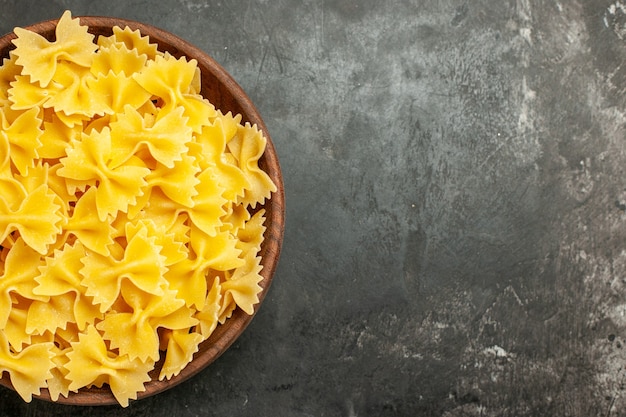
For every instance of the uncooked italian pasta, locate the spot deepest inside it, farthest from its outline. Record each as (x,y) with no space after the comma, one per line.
(129,226)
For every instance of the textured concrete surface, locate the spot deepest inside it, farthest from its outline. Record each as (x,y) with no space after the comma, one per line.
(456,196)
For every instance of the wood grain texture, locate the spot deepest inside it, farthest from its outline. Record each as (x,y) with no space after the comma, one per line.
(224,93)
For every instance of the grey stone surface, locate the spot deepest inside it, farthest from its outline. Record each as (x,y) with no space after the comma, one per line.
(456,206)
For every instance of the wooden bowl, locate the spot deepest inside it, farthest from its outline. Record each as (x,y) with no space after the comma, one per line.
(221,90)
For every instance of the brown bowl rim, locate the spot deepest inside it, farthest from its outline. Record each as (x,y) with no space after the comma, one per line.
(225,335)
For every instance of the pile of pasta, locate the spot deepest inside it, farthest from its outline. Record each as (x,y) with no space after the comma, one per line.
(130,212)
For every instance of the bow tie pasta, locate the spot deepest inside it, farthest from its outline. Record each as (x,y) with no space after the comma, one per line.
(129,226)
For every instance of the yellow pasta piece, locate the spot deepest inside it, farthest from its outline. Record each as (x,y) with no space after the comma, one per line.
(171,80)
(12,194)
(172,248)
(63,338)
(148,313)
(208,205)
(40,57)
(117,58)
(20,269)
(181,345)
(235,218)
(158,207)
(71,120)
(213,139)
(132,40)
(208,316)
(75,96)
(58,385)
(11,190)
(95,234)
(15,327)
(219,252)
(56,137)
(90,362)
(60,187)
(9,70)
(117,187)
(39,176)
(35,177)
(117,91)
(179,182)
(250,235)
(166,137)
(247,146)
(25,95)
(50,315)
(243,285)
(227,307)
(61,272)
(142,264)
(61,277)
(28,369)
(23,135)
(189,277)
(37,219)
(6,171)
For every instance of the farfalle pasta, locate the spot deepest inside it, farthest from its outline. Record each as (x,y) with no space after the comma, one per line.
(129,227)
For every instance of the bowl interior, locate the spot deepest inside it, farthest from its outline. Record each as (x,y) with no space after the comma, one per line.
(222,91)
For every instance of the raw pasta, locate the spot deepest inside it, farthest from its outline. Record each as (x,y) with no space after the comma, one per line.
(129,227)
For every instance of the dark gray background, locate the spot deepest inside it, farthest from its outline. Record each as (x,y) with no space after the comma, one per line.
(456,206)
